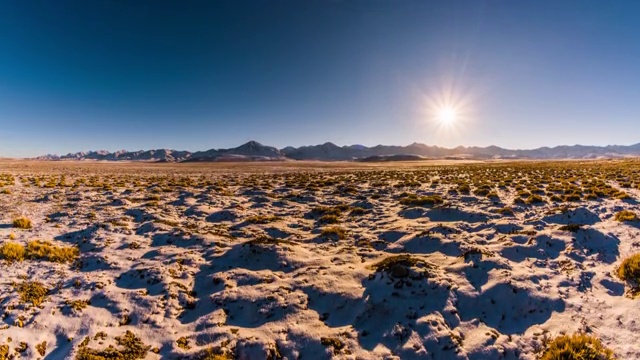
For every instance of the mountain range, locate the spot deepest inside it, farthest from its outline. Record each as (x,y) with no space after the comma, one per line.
(254,151)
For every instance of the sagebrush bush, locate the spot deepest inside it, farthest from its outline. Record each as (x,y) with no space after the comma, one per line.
(576,347)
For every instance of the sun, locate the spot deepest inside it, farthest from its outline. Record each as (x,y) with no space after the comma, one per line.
(447,115)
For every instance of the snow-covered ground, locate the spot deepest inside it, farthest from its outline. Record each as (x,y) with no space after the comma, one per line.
(240,260)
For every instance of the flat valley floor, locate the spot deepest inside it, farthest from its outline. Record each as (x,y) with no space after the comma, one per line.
(429,260)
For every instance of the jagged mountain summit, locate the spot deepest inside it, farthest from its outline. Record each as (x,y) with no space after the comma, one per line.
(251,151)
(255,151)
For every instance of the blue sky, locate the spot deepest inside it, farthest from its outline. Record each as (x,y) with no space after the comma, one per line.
(80,75)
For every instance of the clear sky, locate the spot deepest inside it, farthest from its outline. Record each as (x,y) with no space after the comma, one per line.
(195,75)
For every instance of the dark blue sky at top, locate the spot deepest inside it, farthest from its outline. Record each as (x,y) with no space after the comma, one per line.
(79,75)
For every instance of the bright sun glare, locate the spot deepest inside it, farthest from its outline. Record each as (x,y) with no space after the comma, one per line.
(447,115)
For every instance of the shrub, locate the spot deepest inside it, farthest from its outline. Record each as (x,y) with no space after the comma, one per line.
(334,232)
(32,291)
(131,348)
(415,200)
(183,343)
(329,219)
(535,199)
(261,219)
(630,269)
(571,227)
(576,346)
(12,251)
(214,354)
(77,305)
(44,250)
(572,197)
(464,189)
(358,211)
(264,240)
(336,343)
(22,223)
(389,263)
(4,352)
(42,348)
(330,210)
(626,215)
(493,195)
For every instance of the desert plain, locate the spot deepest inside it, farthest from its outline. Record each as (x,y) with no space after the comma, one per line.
(311,260)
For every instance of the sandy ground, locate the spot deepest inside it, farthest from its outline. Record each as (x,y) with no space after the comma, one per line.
(256,261)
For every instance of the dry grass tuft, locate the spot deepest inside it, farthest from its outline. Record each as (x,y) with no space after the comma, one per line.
(629,270)
(626,215)
(334,232)
(397,265)
(12,251)
(32,291)
(577,346)
(415,200)
(38,250)
(336,343)
(22,223)
(131,348)
(45,250)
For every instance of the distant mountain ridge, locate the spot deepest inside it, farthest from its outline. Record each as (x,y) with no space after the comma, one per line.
(254,151)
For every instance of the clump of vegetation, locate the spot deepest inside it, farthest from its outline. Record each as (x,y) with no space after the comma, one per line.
(402,259)
(629,270)
(534,199)
(12,251)
(358,211)
(334,232)
(42,348)
(415,200)
(22,223)
(45,250)
(32,291)
(4,352)
(214,354)
(329,219)
(38,250)
(577,346)
(262,219)
(131,348)
(78,305)
(571,227)
(183,343)
(336,210)
(397,265)
(626,215)
(336,343)
(464,189)
(267,240)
